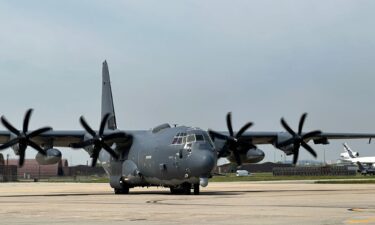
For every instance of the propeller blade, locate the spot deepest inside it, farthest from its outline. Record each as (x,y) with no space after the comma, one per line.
(22,155)
(229,124)
(9,126)
(82,144)
(286,126)
(110,150)
(296,148)
(36,147)
(237,157)
(9,144)
(39,131)
(27,120)
(217,135)
(301,123)
(103,123)
(114,136)
(309,149)
(87,127)
(243,129)
(312,134)
(95,156)
(295,157)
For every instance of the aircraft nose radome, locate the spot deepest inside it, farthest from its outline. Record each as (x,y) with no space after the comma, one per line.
(203,163)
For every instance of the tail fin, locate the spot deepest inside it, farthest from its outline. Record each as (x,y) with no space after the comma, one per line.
(350,152)
(107,99)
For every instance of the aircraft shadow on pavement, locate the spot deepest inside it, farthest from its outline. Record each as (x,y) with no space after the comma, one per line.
(204,193)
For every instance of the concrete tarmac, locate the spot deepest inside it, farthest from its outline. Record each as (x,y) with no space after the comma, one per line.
(220,203)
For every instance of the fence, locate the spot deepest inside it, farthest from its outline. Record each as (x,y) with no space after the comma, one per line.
(8,173)
(314,171)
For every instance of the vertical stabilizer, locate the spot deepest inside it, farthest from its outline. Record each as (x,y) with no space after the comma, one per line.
(107,99)
(350,152)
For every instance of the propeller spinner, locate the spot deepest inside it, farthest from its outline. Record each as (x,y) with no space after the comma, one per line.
(24,137)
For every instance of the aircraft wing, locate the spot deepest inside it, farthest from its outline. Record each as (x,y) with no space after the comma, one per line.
(58,138)
(276,137)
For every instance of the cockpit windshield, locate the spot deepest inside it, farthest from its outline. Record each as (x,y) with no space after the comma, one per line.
(183,138)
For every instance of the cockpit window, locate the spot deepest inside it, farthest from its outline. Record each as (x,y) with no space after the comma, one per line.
(179,139)
(191,138)
(199,137)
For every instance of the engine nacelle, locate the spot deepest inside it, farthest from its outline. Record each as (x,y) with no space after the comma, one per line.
(253,155)
(53,156)
(288,150)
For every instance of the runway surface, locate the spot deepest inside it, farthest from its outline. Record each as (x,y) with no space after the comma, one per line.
(219,203)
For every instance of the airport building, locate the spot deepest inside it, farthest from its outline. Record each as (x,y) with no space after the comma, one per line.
(31,169)
(10,171)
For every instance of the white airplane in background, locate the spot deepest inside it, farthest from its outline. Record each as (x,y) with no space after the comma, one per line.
(350,156)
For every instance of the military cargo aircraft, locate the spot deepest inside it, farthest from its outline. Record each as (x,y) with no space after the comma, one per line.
(181,158)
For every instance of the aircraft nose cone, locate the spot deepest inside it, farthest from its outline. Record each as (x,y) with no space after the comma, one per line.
(203,163)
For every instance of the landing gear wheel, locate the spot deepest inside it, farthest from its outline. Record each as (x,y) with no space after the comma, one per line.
(174,190)
(186,188)
(196,189)
(122,191)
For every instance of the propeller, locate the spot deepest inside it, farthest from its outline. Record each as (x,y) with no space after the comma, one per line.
(98,140)
(24,137)
(299,139)
(232,141)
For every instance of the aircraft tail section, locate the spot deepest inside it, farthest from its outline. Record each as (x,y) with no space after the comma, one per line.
(107,99)
(350,152)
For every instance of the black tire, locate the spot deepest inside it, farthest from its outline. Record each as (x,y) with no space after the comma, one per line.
(174,190)
(186,188)
(122,191)
(196,189)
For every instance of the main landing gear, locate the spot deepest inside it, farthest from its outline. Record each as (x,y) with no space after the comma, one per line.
(185,189)
(122,191)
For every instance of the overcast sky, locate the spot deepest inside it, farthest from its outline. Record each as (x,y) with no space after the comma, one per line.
(190,62)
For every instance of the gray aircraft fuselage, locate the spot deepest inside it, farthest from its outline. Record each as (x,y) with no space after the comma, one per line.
(163,157)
